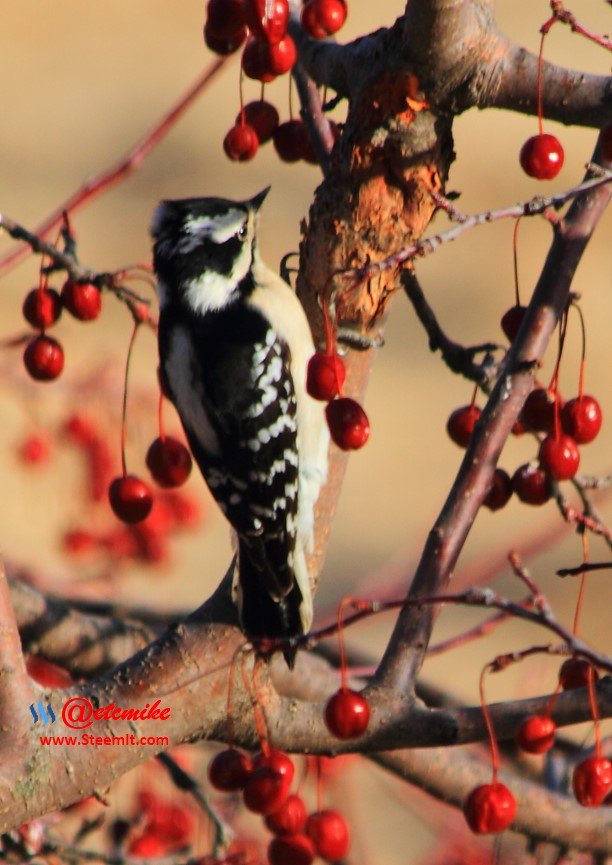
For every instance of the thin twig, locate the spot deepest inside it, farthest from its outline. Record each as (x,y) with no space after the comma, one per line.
(128,163)
(560,13)
(583,568)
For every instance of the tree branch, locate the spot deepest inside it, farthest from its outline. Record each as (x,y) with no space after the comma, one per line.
(407,646)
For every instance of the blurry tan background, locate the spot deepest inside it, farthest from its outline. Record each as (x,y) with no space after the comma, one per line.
(81,83)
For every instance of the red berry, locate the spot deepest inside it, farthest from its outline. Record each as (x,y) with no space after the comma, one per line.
(489,808)
(282,56)
(542,157)
(267,19)
(224,46)
(169,462)
(44,358)
(147,846)
(83,300)
(512,320)
(581,418)
(77,541)
(130,498)
(278,761)
(42,307)
(348,423)
(330,834)
(591,781)
(80,430)
(34,449)
(500,491)
(559,456)
(575,672)
(531,484)
(290,817)
(289,141)
(536,735)
(229,770)
(461,423)
(225,18)
(539,409)
(296,849)
(347,714)
(321,18)
(265,790)
(325,376)
(241,143)
(46,673)
(255,62)
(262,116)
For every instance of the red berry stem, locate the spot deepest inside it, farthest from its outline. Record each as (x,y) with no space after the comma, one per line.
(583,578)
(346,601)
(515,259)
(583,350)
(544,31)
(489,725)
(125,395)
(319,784)
(261,724)
(594,710)
(554,382)
(160,416)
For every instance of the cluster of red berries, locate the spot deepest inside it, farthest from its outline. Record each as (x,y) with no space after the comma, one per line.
(169,462)
(491,808)
(348,423)
(265,781)
(269,52)
(168,827)
(565,425)
(42,307)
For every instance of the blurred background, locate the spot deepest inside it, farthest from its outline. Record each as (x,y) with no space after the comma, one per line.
(81,86)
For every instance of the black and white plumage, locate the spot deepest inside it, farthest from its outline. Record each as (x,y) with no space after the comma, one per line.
(234,344)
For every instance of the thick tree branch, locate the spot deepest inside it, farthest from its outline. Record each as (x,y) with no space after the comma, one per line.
(570,97)
(410,638)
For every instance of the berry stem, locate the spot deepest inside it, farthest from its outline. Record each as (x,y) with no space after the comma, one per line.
(583,351)
(554,382)
(160,416)
(291,97)
(474,395)
(515,258)
(125,395)
(258,714)
(341,647)
(241,97)
(230,696)
(544,30)
(583,578)
(489,725)
(594,710)
(319,785)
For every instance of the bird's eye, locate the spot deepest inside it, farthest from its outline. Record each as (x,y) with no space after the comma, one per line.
(243,232)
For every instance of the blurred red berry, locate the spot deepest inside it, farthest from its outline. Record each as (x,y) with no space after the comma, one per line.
(42,307)
(581,418)
(83,300)
(289,818)
(461,423)
(489,809)
(531,484)
(288,140)
(542,157)
(44,358)
(296,849)
(321,18)
(559,456)
(130,498)
(34,449)
(348,423)
(592,781)
(329,833)
(80,429)
(575,672)
(229,769)
(347,714)
(262,116)
(169,461)
(512,320)
(536,735)
(325,375)
(224,45)
(241,143)
(46,673)
(147,846)
(77,541)
(500,491)
(267,19)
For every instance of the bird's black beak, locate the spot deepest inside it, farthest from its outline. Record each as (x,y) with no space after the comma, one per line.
(256,202)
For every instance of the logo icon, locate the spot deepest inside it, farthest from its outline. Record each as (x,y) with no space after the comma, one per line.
(47,716)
